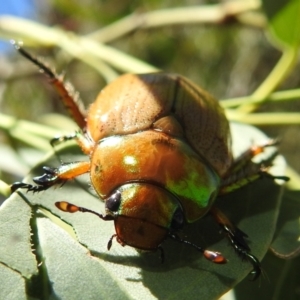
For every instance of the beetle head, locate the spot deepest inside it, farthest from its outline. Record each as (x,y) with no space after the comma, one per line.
(144,214)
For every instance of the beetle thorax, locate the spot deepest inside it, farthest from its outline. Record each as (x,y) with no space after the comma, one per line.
(154,157)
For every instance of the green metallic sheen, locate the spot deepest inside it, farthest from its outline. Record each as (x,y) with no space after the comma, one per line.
(196,190)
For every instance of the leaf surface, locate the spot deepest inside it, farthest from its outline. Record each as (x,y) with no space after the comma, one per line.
(88,270)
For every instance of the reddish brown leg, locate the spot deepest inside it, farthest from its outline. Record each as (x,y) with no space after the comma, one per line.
(76,109)
(66,91)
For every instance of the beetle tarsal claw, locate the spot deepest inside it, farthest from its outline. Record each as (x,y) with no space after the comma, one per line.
(274,177)
(17,185)
(48,179)
(236,238)
(256,266)
(26,186)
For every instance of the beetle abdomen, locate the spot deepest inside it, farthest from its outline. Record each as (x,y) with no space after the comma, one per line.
(133,103)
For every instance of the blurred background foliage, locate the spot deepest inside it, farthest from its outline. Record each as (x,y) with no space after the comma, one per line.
(230,57)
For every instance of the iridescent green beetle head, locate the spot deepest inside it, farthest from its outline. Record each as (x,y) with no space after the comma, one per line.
(144,214)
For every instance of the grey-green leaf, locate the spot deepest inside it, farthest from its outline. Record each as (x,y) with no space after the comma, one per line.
(87,270)
(16,250)
(12,284)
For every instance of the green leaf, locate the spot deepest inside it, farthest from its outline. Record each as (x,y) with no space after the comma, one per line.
(281,281)
(72,270)
(15,238)
(286,242)
(12,284)
(284,20)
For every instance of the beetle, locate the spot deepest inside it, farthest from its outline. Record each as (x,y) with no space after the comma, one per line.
(160,154)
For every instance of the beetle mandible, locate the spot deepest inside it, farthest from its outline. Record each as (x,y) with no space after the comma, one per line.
(160,154)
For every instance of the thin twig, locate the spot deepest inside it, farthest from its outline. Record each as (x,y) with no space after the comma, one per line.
(207,14)
(275,77)
(277,96)
(265,119)
(87,50)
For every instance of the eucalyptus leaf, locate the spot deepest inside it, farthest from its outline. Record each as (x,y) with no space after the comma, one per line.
(284,21)
(12,284)
(280,281)
(79,266)
(286,242)
(15,237)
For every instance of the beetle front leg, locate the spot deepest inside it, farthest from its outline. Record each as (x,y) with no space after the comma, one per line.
(237,240)
(54,176)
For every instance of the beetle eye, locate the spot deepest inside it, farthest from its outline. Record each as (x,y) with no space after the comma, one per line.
(178,219)
(112,203)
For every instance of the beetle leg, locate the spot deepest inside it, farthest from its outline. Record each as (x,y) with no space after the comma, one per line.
(109,244)
(246,175)
(84,142)
(27,186)
(61,139)
(243,171)
(66,91)
(54,176)
(245,158)
(237,240)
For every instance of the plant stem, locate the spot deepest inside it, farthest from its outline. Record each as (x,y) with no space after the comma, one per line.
(86,49)
(33,134)
(277,96)
(275,77)
(4,189)
(211,14)
(265,119)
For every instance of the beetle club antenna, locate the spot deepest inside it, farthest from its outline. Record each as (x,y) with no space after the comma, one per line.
(213,256)
(72,208)
(69,96)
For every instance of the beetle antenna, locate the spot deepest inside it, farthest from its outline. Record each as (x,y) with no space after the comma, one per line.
(72,208)
(213,256)
(69,96)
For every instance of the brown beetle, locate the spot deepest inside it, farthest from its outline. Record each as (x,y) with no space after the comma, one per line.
(160,154)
